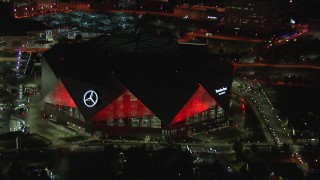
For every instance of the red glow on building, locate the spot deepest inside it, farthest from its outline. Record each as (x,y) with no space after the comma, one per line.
(125,106)
(199,102)
(242,107)
(60,96)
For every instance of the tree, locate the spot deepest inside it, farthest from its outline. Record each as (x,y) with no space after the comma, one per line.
(306,80)
(254,148)
(98,135)
(286,79)
(308,147)
(240,157)
(15,171)
(285,147)
(274,149)
(244,173)
(237,146)
(221,51)
(293,79)
(79,38)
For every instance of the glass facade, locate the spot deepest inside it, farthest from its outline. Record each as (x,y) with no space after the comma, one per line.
(59,96)
(55,109)
(58,102)
(256,15)
(220,112)
(209,114)
(128,111)
(199,103)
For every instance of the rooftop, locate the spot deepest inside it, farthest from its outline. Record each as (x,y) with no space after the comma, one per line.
(157,70)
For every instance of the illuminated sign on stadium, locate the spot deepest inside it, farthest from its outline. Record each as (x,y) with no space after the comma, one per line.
(221,91)
(90,98)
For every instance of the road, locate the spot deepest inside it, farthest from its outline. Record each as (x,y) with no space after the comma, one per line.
(275,130)
(273,127)
(300,66)
(256,54)
(202,33)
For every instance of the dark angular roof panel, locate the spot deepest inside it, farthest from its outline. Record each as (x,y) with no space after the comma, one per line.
(11,26)
(157,70)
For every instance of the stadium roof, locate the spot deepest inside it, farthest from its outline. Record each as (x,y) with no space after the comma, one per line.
(13,26)
(158,71)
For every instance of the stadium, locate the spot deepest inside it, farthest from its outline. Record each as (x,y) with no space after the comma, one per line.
(140,84)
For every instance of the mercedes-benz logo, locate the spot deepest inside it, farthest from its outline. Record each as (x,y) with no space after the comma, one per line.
(90,98)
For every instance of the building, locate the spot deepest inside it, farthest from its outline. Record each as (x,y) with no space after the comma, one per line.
(140,84)
(253,15)
(14,32)
(198,12)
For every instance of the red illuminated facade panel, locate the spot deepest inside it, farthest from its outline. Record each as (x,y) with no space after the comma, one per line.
(60,96)
(128,111)
(200,101)
(125,106)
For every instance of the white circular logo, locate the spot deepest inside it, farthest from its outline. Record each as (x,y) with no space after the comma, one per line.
(90,98)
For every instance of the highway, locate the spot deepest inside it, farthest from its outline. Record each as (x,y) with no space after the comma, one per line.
(273,127)
(274,41)
(202,33)
(300,66)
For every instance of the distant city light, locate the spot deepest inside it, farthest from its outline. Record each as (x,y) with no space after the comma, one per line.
(212,17)
(18,58)
(292,21)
